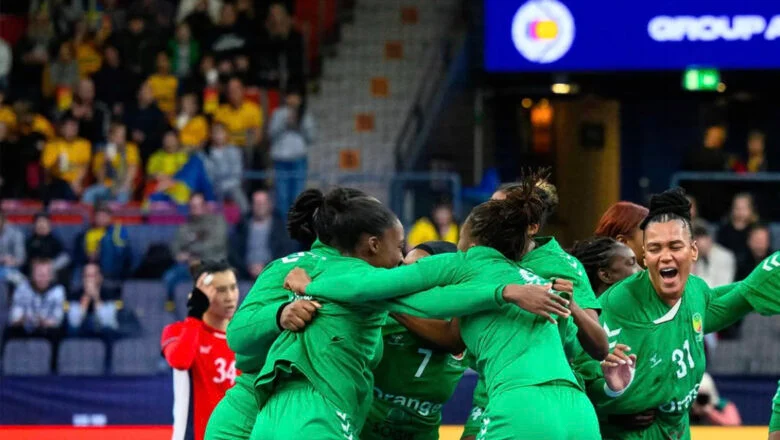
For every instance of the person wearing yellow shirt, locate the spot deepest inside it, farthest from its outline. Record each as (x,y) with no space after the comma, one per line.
(193,127)
(243,119)
(164,85)
(115,168)
(440,226)
(164,163)
(7,115)
(66,162)
(88,55)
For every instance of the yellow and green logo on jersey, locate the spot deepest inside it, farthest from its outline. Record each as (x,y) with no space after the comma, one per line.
(698,326)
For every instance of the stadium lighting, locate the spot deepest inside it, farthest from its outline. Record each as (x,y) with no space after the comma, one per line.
(561,88)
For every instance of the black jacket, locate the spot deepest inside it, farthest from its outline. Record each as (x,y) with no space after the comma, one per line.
(281,245)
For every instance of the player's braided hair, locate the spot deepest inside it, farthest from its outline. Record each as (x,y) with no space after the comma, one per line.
(594,254)
(503,224)
(667,206)
(300,218)
(546,191)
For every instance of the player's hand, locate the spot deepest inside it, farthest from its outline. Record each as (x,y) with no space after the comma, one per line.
(563,286)
(619,368)
(200,297)
(297,280)
(298,314)
(539,300)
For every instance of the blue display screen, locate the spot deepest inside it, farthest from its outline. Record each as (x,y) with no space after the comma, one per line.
(612,35)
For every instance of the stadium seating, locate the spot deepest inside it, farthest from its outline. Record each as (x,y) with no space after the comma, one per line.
(27,357)
(81,357)
(136,357)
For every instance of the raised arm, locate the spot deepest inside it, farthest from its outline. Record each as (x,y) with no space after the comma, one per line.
(726,310)
(179,343)
(374,284)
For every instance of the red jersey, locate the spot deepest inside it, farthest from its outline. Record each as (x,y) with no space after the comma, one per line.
(204,369)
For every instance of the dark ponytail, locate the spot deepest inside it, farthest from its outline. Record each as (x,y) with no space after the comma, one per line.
(545,191)
(503,224)
(667,206)
(338,218)
(300,217)
(594,254)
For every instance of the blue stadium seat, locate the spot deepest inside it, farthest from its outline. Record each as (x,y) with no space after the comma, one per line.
(81,357)
(27,357)
(136,357)
(141,236)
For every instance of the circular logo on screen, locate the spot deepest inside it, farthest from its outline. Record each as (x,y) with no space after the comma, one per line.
(543,30)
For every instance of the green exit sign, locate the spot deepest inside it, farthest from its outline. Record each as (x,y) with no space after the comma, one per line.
(701,79)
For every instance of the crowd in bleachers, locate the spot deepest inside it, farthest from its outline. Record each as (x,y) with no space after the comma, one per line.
(150,101)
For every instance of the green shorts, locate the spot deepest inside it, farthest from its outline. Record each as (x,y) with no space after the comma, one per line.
(553,411)
(774,422)
(297,411)
(234,417)
(474,422)
(380,426)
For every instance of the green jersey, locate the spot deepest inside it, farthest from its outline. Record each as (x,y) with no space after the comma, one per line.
(411,384)
(339,349)
(254,327)
(669,345)
(548,260)
(762,287)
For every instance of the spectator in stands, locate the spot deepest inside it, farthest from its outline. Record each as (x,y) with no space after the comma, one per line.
(63,72)
(146,122)
(32,56)
(228,39)
(11,181)
(210,8)
(280,63)
(86,47)
(259,238)
(44,245)
(184,51)
(115,15)
(158,13)
(206,76)
(695,219)
(243,119)
(115,167)
(137,46)
(62,13)
(292,132)
(711,409)
(440,226)
(204,236)
(113,83)
(188,174)
(199,15)
(7,115)
(65,161)
(716,264)
(37,307)
(709,156)
(193,127)
(225,166)
(164,85)
(733,234)
(12,252)
(105,243)
(93,116)
(6,61)
(93,309)
(756,152)
(32,132)
(759,246)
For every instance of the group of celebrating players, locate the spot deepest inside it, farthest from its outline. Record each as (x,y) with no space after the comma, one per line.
(352,339)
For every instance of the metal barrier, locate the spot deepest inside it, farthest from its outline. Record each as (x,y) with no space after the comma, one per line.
(723,177)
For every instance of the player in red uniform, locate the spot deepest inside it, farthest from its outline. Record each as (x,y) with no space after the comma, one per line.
(196,348)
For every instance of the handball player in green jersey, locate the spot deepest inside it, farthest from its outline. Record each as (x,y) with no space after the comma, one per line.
(263,315)
(661,315)
(318,383)
(532,390)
